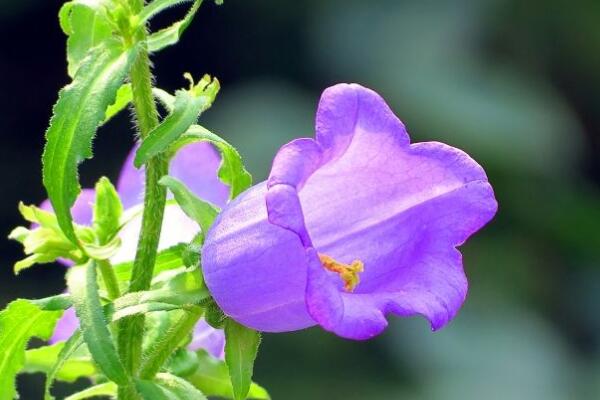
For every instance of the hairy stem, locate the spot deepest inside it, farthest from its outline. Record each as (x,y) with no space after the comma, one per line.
(131,330)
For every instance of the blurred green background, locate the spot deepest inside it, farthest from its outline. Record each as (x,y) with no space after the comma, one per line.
(515,83)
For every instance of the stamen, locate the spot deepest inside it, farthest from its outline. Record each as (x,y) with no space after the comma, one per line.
(348,273)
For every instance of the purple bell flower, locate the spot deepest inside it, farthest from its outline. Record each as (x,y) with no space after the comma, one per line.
(196,165)
(350,226)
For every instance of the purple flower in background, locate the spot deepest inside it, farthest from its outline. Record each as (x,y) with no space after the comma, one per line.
(351,226)
(196,165)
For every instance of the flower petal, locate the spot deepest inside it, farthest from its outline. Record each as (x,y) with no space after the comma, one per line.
(378,199)
(256,271)
(360,191)
(65,327)
(208,338)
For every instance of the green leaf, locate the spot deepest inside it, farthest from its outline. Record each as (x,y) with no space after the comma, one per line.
(201,211)
(231,170)
(68,350)
(19,322)
(103,389)
(185,287)
(166,99)
(80,109)
(156,6)
(87,25)
(241,348)
(45,242)
(174,338)
(103,252)
(179,387)
(82,283)
(123,98)
(169,36)
(167,259)
(53,303)
(211,376)
(189,104)
(153,391)
(107,211)
(44,358)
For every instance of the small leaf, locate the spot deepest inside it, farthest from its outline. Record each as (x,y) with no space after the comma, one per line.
(179,387)
(167,259)
(86,24)
(169,36)
(153,391)
(241,348)
(103,252)
(19,322)
(123,98)
(82,283)
(211,376)
(103,389)
(107,211)
(53,303)
(166,99)
(231,170)
(185,287)
(201,211)
(69,348)
(80,109)
(174,338)
(156,6)
(189,104)
(44,358)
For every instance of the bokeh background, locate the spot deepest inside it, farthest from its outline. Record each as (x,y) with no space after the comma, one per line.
(515,83)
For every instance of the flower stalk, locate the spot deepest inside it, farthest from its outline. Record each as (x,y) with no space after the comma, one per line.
(131,329)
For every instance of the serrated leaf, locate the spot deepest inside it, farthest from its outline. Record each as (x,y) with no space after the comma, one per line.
(77,114)
(123,98)
(231,170)
(169,36)
(82,283)
(156,6)
(241,348)
(201,211)
(107,211)
(103,389)
(19,322)
(188,106)
(44,358)
(211,376)
(87,25)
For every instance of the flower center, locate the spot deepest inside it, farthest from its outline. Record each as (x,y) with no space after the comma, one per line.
(348,272)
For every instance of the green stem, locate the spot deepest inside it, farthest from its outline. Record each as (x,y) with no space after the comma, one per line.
(109,278)
(131,330)
(162,350)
